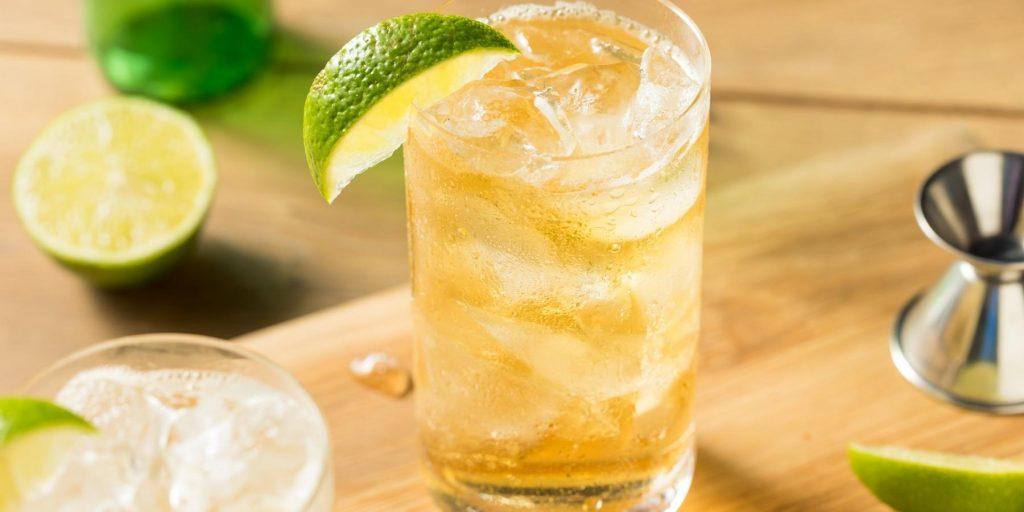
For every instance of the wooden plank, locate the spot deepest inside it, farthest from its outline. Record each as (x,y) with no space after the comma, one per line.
(811,248)
(949,52)
(919,52)
(31,24)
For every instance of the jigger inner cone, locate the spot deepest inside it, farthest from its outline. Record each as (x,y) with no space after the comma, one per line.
(972,207)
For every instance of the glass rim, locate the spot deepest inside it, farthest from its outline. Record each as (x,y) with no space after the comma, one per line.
(197,340)
(704,80)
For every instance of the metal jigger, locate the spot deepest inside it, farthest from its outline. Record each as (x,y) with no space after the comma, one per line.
(963,339)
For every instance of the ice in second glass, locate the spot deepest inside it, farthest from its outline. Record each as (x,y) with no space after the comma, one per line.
(185,423)
(556,213)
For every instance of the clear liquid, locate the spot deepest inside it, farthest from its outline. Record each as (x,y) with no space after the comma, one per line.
(184,440)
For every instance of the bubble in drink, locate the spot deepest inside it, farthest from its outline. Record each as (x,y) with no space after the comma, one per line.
(183,440)
(381,372)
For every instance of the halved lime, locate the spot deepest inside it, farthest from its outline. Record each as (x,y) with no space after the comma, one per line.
(919,481)
(34,434)
(116,189)
(356,113)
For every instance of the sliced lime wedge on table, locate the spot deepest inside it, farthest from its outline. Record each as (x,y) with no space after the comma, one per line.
(117,189)
(33,435)
(919,481)
(356,113)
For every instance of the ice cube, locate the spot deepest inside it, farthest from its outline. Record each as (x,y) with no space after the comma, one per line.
(242,447)
(517,273)
(590,369)
(97,473)
(473,389)
(182,440)
(616,49)
(595,89)
(594,420)
(481,244)
(659,186)
(556,48)
(669,280)
(506,117)
(668,359)
(665,91)
(381,372)
(596,100)
(517,69)
(116,400)
(567,33)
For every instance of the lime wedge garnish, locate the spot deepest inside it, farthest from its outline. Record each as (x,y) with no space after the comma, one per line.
(116,189)
(919,481)
(356,113)
(34,434)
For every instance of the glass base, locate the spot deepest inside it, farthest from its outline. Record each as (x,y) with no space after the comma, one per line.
(664,493)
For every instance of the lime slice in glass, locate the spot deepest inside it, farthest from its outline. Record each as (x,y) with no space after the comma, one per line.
(117,189)
(357,110)
(34,434)
(919,481)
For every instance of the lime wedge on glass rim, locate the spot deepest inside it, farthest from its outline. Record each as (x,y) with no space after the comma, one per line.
(356,113)
(34,434)
(920,481)
(117,189)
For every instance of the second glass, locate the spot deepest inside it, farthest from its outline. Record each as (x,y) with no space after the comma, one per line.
(556,215)
(186,423)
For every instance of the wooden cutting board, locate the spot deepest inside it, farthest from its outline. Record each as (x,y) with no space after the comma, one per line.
(807,260)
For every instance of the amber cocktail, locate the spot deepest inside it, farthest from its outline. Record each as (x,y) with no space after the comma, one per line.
(555,213)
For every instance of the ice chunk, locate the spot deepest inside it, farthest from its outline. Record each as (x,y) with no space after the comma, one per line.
(567,33)
(596,100)
(482,244)
(517,69)
(670,360)
(183,440)
(473,390)
(381,372)
(595,89)
(665,91)
(118,402)
(506,117)
(557,48)
(616,49)
(668,187)
(101,473)
(242,447)
(592,370)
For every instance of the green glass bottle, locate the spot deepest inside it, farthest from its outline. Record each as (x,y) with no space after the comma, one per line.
(179,50)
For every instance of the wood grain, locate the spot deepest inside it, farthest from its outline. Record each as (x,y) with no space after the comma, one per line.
(273,251)
(917,52)
(825,116)
(809,253)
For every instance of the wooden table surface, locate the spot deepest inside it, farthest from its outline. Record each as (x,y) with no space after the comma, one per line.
(825,115)
(793,79)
